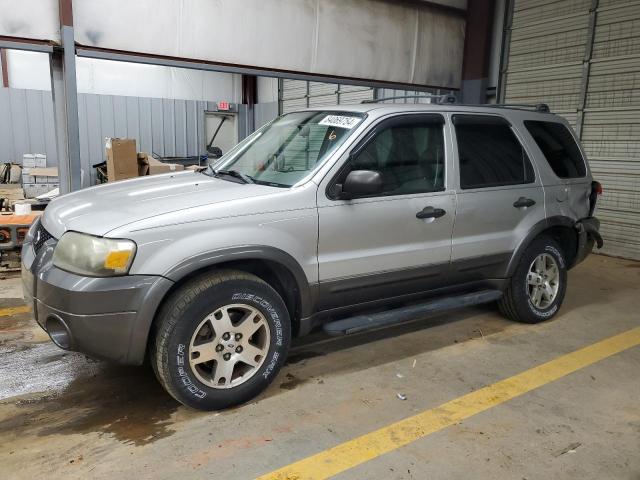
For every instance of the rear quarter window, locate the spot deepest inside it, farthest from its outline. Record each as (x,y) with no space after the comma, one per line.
(558,147)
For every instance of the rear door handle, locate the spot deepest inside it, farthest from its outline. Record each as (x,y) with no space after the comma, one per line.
(430,212)
(523,202)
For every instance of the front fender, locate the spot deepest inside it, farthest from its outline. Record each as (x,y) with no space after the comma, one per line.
(246,252)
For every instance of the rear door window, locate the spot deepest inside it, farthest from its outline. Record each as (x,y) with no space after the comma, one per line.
(489,153)
(559,148)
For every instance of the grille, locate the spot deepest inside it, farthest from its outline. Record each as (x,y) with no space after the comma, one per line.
(40,236)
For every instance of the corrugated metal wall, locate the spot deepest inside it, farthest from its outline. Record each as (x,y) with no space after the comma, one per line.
(26,125)
(611,127)
(582,57)
(546,53)
(163,126)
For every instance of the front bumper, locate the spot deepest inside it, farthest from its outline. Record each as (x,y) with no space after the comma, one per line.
(106,318)
(588,235)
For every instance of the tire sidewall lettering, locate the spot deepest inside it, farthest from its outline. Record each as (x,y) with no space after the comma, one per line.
(191,387)
(543,313)
(179,359)
(277,327)
(268,308)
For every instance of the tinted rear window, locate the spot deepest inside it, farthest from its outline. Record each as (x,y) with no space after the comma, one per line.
(559,148)
(489,153)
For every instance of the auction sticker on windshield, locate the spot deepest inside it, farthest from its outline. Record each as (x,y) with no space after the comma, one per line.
(340,121)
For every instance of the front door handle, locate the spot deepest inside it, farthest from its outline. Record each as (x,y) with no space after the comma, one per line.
(523,202)
(430,212)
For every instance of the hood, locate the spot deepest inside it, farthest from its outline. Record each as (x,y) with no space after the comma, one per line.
(98,210)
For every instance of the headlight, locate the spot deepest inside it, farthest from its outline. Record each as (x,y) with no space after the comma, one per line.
(93,256)
(32,229)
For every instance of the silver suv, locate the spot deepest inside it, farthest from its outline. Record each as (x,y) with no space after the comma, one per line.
(353,217)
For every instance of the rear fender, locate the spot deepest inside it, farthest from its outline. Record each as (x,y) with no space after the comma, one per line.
(537,230)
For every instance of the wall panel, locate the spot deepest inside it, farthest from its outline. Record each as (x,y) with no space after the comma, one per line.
(549,62)
(165,127)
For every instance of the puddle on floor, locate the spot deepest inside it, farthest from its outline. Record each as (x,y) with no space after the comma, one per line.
(46,391)
(291,382)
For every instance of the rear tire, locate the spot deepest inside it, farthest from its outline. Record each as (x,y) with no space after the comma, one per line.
(220,340)
(537,288)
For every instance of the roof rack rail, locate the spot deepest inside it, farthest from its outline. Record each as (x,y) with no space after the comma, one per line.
(445,98)
(538,107)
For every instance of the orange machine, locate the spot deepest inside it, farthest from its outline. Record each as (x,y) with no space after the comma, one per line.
(13,229)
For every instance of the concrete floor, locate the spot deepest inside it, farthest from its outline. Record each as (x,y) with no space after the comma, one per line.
(63,415)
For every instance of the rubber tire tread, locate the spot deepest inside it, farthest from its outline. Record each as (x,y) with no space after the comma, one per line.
(170,315)
(509,301)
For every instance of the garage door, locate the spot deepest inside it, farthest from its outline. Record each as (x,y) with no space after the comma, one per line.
(582,57)
(297,94)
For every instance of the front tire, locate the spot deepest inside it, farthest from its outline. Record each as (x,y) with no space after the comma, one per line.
(537,288)
(220,340)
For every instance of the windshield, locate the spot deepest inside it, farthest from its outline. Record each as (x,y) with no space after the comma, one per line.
(286,150)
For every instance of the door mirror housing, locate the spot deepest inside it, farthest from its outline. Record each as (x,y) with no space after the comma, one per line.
(215,152)
(361,183)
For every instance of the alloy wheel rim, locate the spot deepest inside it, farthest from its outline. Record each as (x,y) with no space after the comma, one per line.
(229,346)
(543,281)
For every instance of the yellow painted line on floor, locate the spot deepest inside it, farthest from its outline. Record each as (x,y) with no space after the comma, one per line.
(371,445)
(8,312)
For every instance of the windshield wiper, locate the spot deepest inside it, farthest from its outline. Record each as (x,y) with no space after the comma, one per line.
(271,184)
(233,173)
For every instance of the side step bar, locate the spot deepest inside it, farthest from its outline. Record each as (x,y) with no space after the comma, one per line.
(361,323)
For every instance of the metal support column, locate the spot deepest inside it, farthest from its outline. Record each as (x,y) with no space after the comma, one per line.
(477,51)
(250,98)
(506,45)
(586,67)
(65,105)
(4,66)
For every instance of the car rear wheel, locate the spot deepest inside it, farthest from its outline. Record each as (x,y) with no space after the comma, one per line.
(220,340)
(537,288)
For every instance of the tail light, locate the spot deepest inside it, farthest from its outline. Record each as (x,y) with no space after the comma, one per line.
(596,191)
(597,187)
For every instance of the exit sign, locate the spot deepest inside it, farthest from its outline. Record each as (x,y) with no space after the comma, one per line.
(223,105)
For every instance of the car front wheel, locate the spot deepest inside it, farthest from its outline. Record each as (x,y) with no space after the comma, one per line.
(220,340)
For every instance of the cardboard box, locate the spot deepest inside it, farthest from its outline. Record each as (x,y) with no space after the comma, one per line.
(122,160)
(27,177)
(40,160)
(28,160)
(147,165)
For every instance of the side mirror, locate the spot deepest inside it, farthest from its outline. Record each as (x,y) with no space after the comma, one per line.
(361,183)
(214,152)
